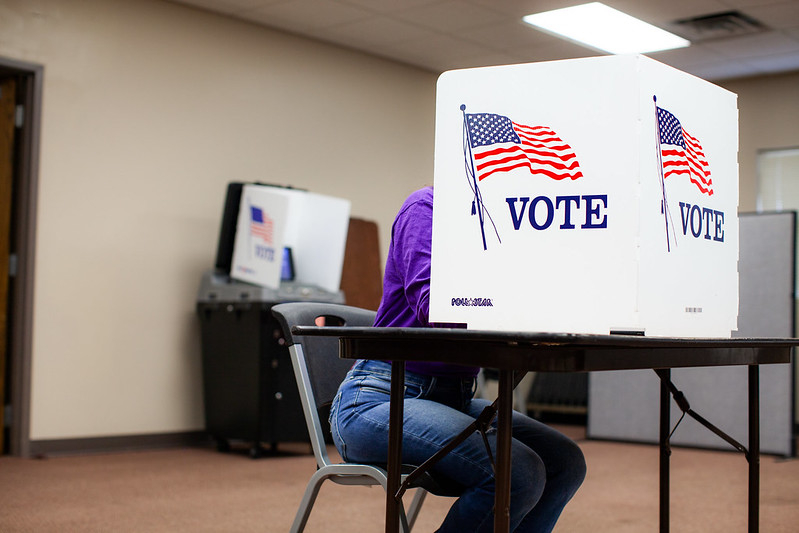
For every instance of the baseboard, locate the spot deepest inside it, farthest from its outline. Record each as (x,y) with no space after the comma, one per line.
(126,443)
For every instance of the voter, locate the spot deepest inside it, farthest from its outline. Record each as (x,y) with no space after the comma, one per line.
(548,467)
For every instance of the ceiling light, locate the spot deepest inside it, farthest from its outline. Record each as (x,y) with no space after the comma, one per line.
(604,28)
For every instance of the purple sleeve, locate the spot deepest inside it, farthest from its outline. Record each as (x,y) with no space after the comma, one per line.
(413,233)
(406,283)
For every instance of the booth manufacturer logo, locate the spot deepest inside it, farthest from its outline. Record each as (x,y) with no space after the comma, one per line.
(681,154)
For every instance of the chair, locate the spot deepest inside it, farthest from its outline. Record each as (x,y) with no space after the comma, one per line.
(319,371)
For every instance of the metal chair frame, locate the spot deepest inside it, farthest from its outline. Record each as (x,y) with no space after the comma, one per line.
(345,473)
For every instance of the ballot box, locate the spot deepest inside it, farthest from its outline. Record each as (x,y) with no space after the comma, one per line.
(594,195)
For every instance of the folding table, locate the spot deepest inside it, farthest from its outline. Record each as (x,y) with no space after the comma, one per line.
(555,352)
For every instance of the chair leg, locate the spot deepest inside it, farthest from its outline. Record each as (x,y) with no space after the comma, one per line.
(415,507)
(308,499)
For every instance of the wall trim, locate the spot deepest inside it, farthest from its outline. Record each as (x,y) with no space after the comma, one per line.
(126,443)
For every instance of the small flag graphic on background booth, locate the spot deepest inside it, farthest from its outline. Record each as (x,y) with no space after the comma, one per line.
(682,153)
(260,225)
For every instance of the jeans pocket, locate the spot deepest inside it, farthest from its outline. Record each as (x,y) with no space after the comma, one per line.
(371,390)
(379,390)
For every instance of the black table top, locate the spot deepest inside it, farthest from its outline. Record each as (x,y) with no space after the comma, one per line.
(550,352)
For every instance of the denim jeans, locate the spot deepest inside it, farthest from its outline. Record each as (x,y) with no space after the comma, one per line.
(547,467)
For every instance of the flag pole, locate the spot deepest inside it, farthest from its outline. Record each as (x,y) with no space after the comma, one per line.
(469,160)
(664,206)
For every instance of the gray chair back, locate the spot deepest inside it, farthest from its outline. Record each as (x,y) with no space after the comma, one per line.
(318,369)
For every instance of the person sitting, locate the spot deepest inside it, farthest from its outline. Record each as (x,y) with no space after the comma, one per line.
(548,467)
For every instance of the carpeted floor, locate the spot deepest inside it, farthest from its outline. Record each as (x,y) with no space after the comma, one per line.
(202,490)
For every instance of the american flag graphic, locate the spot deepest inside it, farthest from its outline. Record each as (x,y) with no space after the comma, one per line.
(500,145)
(260,225)
(682,153)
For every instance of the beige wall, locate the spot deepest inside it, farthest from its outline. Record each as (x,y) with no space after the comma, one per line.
(768,118)
(149,109)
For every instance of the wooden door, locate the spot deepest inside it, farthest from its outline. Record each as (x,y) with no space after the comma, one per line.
(7,110)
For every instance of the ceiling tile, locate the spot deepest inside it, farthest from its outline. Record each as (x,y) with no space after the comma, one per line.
(773,64)
(778,16)
(556,49)
(655,12)
(375,31)
(450,16)
(662,13)
(227,6)
(721,70)
(696,54)
(306,15)
(438,49)
(745,4)
(507,36)
(749,46)
(389,6)
(518,8)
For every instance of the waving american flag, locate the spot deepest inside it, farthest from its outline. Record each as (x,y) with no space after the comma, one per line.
(500,145)
(682,153)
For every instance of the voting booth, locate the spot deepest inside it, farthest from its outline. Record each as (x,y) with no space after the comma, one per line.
(593,195)
(289,234)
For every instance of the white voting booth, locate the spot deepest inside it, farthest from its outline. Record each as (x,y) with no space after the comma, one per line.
(592,195)
(274,222)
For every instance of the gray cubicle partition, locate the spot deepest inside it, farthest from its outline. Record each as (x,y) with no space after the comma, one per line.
(624,405)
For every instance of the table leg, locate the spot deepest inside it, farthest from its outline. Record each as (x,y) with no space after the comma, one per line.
(754,448)
(394,468)
(665,448)
(503,466)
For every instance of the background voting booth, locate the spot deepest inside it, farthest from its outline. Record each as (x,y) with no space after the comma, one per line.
(275,245)
(275,221)
(623,405)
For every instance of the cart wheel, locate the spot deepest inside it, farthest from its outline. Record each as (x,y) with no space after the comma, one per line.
(256,452)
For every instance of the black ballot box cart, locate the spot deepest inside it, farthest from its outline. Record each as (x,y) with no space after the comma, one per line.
(249,389)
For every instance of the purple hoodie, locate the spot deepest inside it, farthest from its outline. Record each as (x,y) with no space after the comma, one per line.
(406,283)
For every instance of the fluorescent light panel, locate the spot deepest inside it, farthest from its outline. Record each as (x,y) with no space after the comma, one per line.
(606,29)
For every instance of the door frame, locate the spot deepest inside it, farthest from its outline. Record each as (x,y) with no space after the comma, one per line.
(24,199)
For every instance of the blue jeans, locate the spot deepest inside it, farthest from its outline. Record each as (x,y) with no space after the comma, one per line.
(547,467)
